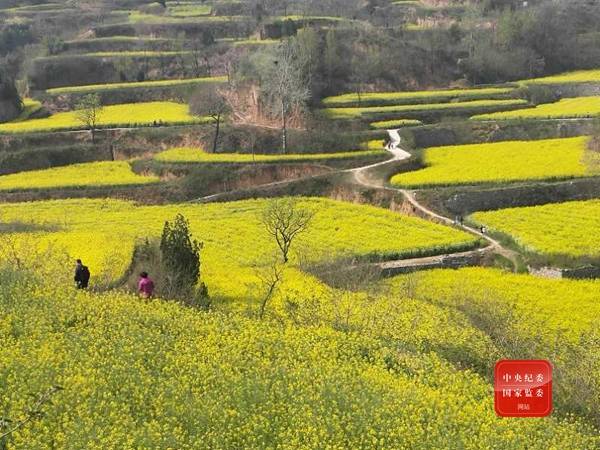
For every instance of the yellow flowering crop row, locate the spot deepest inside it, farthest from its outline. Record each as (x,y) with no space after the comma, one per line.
(103,233)
(104,173)
(140,17)
(579,76)
(500,162)
(134,85)
(569,228)
(188,10)
(371,111)
(195,155)
(566,305)
(564,108)
(398,98)
(388,124)
(123,115)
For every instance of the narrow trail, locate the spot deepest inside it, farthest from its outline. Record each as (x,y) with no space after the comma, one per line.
(361,177)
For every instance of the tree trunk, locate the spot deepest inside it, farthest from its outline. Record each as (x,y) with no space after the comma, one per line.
(217,129)
(284,127)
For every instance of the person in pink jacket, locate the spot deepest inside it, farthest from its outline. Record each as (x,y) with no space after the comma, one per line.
(145,285)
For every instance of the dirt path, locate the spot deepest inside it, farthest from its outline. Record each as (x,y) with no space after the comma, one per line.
(362,178)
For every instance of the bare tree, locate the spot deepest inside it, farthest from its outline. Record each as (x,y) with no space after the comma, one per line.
(88,112)
(286,86)
(209,101)
(284,220)
(270,277)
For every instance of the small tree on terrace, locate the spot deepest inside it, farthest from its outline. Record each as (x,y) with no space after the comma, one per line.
(88,112)
(284,220)
(209,101)
(180,255)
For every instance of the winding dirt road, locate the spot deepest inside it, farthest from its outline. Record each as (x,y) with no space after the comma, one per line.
(361,177)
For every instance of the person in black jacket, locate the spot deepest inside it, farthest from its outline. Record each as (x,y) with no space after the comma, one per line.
(82,275)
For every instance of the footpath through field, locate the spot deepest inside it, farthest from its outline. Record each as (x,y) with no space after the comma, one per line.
(361,176)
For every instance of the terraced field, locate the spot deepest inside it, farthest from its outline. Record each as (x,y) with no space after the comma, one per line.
(569,228)
(139,17)
(579,76)
(114,116)
(105,173)
(233,235)
(578,107)
(194,155)
(389,124)
(565,306)
(384,112)
(402,98)
(178,9)
(134,85)
(500,162)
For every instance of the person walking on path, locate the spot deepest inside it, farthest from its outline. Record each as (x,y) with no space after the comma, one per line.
(145,285)
(82,275)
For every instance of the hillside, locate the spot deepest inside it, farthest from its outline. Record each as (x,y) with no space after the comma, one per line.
(286,224)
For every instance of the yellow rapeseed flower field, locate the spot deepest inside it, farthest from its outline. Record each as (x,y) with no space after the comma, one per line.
(375,111)
(522,317)
(500,162)
(103,233)
(134,85)
(398,98)
(578,76)
(388,124)
(564,108)
(104,173)
(137,374)
(569,228)
(113,116)
(195,155)
(571,306)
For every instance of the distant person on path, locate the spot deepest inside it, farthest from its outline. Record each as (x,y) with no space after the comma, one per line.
(82,275)
(145,285)
(483,230)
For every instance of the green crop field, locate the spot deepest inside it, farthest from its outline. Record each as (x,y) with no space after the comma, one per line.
(114,116)
(195,155)
(569,228)
(366,112)
(399,98)
(566,108)
(500,162)
(232,232)
(105,173)
(134,85)
(579,76)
